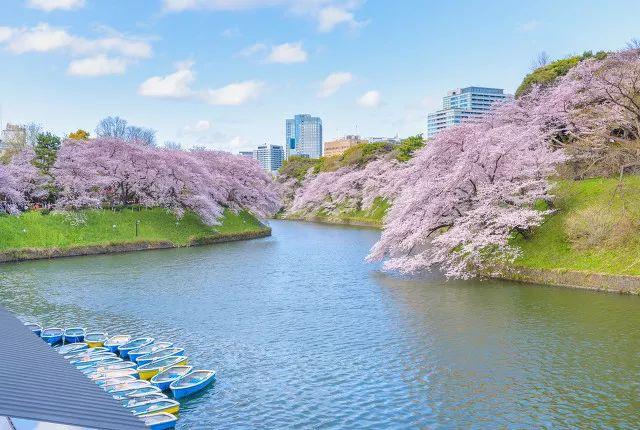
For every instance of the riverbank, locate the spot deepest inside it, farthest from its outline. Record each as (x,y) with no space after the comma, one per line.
(37,235)
(590,242)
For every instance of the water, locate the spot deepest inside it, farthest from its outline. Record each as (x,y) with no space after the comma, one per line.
(304,334)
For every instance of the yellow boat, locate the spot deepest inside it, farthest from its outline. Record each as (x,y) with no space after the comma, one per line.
(150,370)
(95,339)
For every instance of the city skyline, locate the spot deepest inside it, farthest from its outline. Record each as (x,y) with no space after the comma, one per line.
(224,74)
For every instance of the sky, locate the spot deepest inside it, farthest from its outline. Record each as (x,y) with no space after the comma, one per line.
(225,74)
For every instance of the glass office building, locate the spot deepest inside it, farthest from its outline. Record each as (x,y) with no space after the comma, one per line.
(463,104)
(270,157)
(303,136)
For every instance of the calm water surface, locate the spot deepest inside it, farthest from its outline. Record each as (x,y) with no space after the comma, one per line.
(303,334)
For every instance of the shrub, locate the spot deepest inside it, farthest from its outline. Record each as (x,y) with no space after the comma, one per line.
(599,227)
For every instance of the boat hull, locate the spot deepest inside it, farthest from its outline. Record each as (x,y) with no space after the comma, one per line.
(52,339)
(147,374)
(168,423)
(179,393)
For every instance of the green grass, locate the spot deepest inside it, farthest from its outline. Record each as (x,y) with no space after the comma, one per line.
(372,216)
(550,247)
(35,230)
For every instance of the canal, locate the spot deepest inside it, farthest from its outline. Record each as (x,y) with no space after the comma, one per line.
(304,334)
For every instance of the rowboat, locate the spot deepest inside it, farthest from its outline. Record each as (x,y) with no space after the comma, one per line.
(149,370)
(124,349)
(34,327)
(108,374)
(105,383)
(72,348)
(126,386)
(91,357)
(137,401)
(120,365)
(135,392)
(148,349)
(192,383)
(165,405)
(101,362)
(114,342)
(52,335)
(85,352)
(74,335)
(94,339)
(167,376)
(163,353)
(159,420)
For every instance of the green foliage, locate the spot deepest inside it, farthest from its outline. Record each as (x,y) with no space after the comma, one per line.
(595,229)
(102,227)
(406,148)
(552,71)
(297,167)
(357,155)
(47,146)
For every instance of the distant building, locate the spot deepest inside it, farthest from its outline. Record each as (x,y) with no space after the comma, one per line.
(303,136)
(247,154)
(270,157)
(13,133)
(338,146)
(392,140)
(462,104)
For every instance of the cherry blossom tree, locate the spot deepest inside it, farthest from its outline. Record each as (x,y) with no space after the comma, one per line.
(468,191)
(12,199)
(112,172)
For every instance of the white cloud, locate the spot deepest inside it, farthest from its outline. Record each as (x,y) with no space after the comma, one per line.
(199,127)
(234,94)
(99,65)
(252,50)
(44,38)
(529,26)
(330,17)
(49,5)
(333,83)
(369,99)
(287,53)
(176,85)
(5,33)
(328,13)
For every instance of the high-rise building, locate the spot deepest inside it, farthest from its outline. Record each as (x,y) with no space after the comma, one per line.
(270,157)
(338,146)
(303,136)
(462,104)
(248,154)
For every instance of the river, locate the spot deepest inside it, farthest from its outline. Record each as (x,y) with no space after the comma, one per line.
(304,334)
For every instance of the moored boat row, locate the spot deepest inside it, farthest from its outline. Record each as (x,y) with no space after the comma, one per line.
(135,371)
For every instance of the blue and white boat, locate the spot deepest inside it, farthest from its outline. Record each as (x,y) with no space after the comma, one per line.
(89,352)
(135,392)
(114,342)
(52,335)
(158,355)
(108,374)
(124,349)
(74,335)
(148,349)
(106,383)
(91,357)
(163,379)
(137,401)
(132,385)
(159,420)
(34,327)
(192,383)
(71,348)
(119,365)
(102,361)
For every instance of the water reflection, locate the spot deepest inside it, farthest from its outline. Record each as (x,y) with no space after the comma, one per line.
(304,334)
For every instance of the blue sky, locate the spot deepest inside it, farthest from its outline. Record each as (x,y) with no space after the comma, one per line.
(226,73)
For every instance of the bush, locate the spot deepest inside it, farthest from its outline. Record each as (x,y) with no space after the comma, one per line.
(599,227)
(549,73)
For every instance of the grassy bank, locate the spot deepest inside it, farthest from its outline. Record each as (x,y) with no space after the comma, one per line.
(35,230)
(372,216)
(595,229)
